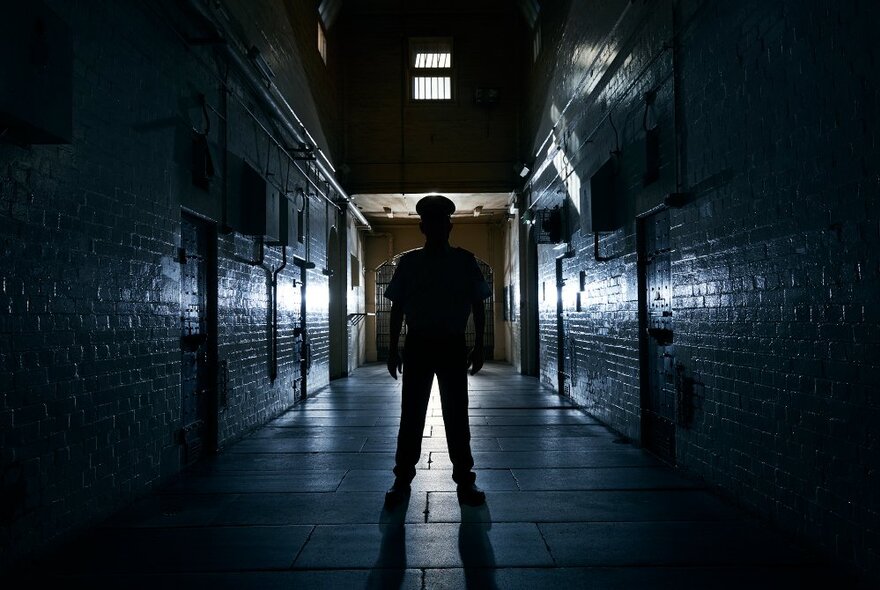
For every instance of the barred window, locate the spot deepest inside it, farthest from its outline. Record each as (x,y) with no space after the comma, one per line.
(431,69)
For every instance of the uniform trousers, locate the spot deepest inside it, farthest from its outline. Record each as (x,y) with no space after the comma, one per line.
(425,356)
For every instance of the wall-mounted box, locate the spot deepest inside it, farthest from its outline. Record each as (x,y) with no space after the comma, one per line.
(602,199)
(254,204)
(36,100)
(202,201)
(287,223)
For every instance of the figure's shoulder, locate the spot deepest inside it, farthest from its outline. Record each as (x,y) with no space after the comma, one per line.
(411,256)
(466,254)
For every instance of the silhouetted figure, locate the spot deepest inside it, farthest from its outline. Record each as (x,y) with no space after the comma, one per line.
(436,288)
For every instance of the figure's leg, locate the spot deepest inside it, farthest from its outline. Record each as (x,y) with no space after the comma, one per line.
(417,380)
(452,379)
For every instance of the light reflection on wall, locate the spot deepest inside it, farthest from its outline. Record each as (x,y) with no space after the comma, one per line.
(593,293)
(569,294)
(568,175)
(318,297)
(288,299)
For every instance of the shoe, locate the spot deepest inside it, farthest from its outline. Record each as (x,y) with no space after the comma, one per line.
(396,494)
(471,495)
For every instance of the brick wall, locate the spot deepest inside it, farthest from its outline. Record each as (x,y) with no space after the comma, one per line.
(777,264)
(90,361)
(774,255)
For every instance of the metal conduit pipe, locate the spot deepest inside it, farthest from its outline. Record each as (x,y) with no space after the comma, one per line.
(271,101)
(274,370)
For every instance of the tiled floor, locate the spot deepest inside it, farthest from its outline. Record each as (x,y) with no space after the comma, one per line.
(299,505)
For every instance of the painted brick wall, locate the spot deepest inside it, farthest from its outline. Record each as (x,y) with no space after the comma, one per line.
(90,281)
(90,371)
(777,263)
(774,257)
(627,58)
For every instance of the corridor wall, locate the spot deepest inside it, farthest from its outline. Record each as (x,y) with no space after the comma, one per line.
(90,266)
(767,163)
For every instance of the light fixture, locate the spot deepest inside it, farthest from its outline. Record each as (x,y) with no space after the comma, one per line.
(477,210)
(524,172)
(388,212)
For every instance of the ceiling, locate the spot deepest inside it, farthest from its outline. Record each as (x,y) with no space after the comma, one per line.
(403,206)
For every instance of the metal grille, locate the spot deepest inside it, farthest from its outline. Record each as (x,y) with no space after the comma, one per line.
(432,87)
(383,309)
(383,312)
(549,225)
(489,306)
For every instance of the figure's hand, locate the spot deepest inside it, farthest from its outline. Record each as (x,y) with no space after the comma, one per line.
(395,363)
(475,359)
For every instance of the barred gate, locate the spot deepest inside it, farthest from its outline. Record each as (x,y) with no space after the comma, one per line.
(383,312)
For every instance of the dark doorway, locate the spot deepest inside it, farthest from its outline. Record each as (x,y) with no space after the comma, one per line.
(198,339)
(337,305)
(529,345)
(657,348)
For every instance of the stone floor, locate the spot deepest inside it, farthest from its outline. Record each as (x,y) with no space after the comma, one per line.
(299,504)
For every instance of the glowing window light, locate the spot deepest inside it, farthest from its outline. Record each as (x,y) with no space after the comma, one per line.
(433,60)
(431,68)
(432,87)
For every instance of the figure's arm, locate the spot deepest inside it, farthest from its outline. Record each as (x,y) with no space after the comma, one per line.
(395,363)
(475,362)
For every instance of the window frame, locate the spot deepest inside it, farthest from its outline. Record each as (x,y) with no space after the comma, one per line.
(417,43)
(322,41)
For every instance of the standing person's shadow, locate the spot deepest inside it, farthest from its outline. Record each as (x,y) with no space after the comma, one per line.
(477,554)
(390,567)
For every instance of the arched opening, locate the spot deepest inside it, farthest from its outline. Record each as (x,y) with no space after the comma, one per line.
(383,311)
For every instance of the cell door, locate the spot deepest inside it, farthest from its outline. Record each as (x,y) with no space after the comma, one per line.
(657,350)
(197,388)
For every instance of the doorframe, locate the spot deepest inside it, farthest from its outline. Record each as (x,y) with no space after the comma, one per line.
(645,403)
(338,303)
(208,229)
(529,335)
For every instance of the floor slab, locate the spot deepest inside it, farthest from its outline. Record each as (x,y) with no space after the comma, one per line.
(589,506)
(391,545)
(602,478)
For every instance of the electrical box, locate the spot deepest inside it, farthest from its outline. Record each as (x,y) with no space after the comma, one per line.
(256,202)
(287,224)
(602,199)
(203,200)
(36,75)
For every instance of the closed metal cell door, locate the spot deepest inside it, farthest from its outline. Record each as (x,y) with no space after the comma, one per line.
(195,382)
(658,351)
